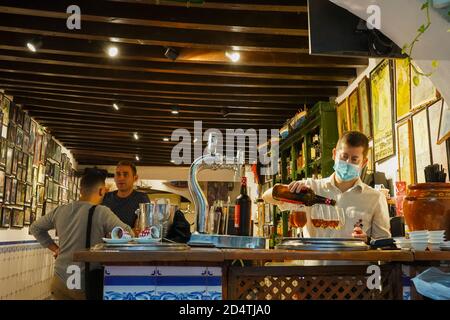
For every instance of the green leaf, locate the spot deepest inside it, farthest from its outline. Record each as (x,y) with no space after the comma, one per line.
(421,29)
(424,6)
(416,80)
(434,64)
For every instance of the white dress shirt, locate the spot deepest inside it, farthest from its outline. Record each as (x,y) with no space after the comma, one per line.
(361,204)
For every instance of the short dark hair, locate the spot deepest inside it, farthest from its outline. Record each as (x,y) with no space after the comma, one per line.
(354,139)
(128,164)
(92,178)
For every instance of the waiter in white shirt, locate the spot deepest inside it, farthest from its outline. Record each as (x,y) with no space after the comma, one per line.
(365,209)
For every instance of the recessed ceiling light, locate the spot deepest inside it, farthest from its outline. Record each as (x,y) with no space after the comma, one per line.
(116,105)
(113,51)
(137,158)
(31,47)
(233,56)
(175,110)
(135,135)
(165,139)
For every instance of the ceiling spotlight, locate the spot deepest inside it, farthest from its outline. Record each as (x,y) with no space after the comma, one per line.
(113,51)
(171,54)
(233,56)
(137,158)
(165,139)
(31,47)
(135,135)
(175,110)
(116,105)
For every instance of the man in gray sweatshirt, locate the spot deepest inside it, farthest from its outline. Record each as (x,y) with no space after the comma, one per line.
(70,222)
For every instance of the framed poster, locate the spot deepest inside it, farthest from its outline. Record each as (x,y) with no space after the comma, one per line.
(402,87)
(12,199)
(27,216)
(370,162)
(2,184)
(405,152)
(41,175)
(12,132)
(354,112)
(28,194)
(20,117)
(424,92)
(26,143)
(364,103)
(38,213)
(44,143)
(37,150)
(342,118)
(30,170)
(382,114)
(58,153)
(9,159)
(33,128)
(21,190)
(7,192)
(438,151)
(444,123)
(40,195)
(422,150)
(6,217)
(18,218)
(5,106)
(3,150)
(15,162)
(26,123)
(19,138)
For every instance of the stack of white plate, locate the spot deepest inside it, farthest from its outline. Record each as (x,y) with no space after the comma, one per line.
(402,243)
(445,246)
(419,239)
(436,239)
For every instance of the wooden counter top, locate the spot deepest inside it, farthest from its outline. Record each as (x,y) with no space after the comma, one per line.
(431,255)
(220,255)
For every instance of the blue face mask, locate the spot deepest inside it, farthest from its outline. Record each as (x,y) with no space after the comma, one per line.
(346,171)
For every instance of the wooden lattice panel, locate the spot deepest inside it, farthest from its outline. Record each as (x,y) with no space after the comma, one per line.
(311,283)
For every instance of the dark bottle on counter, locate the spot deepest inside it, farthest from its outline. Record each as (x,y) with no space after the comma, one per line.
(281,192)
(242,211)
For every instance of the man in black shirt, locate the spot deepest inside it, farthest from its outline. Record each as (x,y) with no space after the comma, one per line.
(125,200)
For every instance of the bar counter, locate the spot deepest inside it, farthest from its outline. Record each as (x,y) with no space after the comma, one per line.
(258,274)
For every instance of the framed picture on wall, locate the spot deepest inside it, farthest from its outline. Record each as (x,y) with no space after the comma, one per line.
(26,143)
(58,153)
(16,160)
(364,103)
(26,123)
(7,190)
(27,216)
(44,144)
(444,123)
(12,199)
(405,152)
(37,150)
(382,111)
(21,193)
(28,194)
(5,106)
(18,218)
(354,112)
(402,88)
(30,170)
(3,151)
(33,128)
(438,151)
(370,163)
(12,132)
(2,184)
(19,138)
(342,118)
(38,212)
(422,150)
(422,93)
(20,117)
(9,159)
(5,217)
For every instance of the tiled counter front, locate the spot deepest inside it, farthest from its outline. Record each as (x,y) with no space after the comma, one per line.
(162,283)
(25,272)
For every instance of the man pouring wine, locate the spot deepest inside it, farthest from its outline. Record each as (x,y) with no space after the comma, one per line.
(362,212)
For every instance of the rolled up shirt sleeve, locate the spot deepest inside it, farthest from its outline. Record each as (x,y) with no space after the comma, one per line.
(380,222)
(39,229)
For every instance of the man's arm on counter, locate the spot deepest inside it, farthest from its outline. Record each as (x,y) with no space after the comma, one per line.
(110,221)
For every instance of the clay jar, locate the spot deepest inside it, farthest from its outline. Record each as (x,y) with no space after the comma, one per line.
(427,207)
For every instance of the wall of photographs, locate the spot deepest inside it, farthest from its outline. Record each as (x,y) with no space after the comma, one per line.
(404,116)
(35,176)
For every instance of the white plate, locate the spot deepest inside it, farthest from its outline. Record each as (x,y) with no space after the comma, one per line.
(116,241)
(146,240)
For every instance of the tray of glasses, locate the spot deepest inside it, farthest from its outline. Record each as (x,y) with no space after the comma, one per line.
(159,246)
(323,244)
